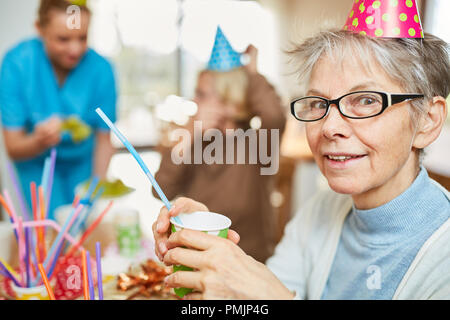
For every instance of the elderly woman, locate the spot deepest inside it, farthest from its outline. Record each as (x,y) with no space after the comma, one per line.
(371,106)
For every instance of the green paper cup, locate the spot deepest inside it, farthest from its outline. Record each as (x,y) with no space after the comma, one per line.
(208,222)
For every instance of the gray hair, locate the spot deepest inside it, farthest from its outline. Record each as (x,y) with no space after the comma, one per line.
(418,65)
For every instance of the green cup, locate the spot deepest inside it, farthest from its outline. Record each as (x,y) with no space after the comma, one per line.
(208,222)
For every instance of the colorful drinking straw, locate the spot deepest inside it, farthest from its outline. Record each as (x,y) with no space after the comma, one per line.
(90,279)
(85,276)
(17,189)
(46,282)
(10,272)
(90,229)
(138,158)
(98,257)
(50,178)
(27,257)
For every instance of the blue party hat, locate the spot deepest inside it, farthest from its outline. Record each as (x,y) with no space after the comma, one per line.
(223,56)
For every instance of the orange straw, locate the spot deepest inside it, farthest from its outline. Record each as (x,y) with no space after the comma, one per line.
(8,210)
(76,200)
(46,283)
(85,276)
(90,229)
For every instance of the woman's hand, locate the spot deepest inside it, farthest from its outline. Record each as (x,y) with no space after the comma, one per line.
(211,116)
(23,146)
(161,228)
(222,269)
(48,133)
(252,66)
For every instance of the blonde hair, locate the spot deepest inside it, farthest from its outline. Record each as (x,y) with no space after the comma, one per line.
(47,6)
(231,86)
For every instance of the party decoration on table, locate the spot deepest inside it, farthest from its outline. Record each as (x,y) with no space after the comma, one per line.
(138,158)
(78,130)
(223,56)
(385,18)
(146,282)
(69,277)
(111,189)
(46,262)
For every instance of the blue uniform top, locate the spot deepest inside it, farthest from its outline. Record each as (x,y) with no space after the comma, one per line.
(29,94)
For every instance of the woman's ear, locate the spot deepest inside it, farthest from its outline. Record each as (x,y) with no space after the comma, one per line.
(431,123)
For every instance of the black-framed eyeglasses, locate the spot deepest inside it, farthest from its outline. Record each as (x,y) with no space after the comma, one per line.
(354,105)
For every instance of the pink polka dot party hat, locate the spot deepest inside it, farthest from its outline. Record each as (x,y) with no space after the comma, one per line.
(385,18)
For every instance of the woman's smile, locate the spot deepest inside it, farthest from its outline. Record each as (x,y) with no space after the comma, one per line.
(343,160)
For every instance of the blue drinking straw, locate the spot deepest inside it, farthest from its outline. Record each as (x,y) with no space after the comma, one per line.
(45,173)
(98,258)
(27,256)
(138,158)
(90,279)
(87,202)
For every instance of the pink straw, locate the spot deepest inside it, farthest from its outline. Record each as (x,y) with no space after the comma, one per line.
(52,224)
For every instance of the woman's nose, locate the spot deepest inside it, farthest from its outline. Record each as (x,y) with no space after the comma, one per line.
(335,125)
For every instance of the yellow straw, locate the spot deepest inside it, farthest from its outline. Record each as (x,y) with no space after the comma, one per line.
(10,269)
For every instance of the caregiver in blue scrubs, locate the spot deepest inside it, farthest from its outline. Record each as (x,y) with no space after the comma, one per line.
(45,80)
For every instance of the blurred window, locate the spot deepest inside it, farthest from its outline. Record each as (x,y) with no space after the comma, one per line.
(436,18)
(159,46)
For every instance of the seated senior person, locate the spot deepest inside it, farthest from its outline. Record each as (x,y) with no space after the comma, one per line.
(371,106)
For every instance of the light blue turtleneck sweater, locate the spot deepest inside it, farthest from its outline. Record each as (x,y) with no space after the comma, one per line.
(377,246)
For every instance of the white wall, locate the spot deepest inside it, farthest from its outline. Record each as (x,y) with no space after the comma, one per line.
(16,21)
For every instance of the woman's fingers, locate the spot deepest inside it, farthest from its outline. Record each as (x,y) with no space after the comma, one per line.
(192,239)
(184,279)
(163,222)
(234,236)
(186,205)
(161,232)
(160,243)
(161,228)
(187,257)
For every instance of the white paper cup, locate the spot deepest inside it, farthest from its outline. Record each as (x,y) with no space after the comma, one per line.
(204,221)
(212,223)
